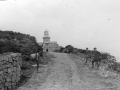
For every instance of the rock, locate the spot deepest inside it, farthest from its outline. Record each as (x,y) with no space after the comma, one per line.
(10,70)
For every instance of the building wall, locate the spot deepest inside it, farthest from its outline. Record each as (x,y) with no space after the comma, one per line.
(47,44)
(46,39)
(50,46)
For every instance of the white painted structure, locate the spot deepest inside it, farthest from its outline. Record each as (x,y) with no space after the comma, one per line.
(47,44)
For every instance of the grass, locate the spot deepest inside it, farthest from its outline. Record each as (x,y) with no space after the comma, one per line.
(87,74)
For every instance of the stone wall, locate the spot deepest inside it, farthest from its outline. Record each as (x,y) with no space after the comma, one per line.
(10,70)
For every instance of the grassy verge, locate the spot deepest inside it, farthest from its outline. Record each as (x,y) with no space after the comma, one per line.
(93,76)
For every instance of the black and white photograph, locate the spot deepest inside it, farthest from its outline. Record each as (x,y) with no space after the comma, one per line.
(59,44)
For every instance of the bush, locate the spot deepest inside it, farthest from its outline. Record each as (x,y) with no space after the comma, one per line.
(8,46)
(17,42)
(69,48)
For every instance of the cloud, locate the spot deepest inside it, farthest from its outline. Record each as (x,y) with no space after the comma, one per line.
(82,23)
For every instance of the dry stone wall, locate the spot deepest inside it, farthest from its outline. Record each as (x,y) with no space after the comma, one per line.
(10,70)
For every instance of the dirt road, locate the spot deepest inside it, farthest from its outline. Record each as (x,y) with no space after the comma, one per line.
(67,73)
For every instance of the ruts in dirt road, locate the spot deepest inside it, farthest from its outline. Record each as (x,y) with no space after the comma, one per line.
(63,76)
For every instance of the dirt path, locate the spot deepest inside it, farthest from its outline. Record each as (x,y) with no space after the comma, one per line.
(63,75)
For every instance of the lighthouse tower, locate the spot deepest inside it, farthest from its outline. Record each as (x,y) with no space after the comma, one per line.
(46,41)
(46,38)
(47,44)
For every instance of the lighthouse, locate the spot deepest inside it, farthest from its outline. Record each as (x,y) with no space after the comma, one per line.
(46,38)
(47,44)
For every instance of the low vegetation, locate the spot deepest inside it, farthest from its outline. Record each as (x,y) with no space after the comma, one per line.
(105,57)
(18,42)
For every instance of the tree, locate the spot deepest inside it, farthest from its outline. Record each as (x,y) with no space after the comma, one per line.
(61,49)
(69,48)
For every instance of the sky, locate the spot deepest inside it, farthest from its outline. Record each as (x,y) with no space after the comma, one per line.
(81,23)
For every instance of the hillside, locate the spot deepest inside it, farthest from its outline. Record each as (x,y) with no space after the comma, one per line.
(17,42)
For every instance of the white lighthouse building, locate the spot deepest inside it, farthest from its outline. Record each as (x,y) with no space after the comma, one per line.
(47,44)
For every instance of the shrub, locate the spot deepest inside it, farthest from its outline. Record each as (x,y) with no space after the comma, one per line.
(17,42)
(69,48)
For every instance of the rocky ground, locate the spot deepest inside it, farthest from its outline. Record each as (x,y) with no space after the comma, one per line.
(68,72)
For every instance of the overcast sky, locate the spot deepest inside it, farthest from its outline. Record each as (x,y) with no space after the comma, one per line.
(81,23)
